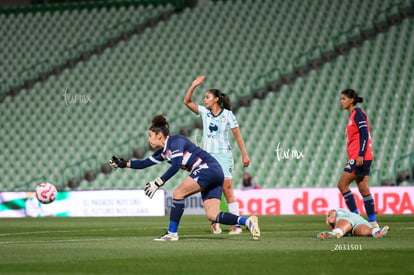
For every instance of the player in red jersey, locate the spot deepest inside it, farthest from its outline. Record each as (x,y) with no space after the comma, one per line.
(359,149)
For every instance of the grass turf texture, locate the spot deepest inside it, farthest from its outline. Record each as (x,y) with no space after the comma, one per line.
(124,245)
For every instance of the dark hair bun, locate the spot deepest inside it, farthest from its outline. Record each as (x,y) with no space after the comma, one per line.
(160,124)
(359,100)
(159,121)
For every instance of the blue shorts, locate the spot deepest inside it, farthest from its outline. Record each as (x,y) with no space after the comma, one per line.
(359,171)
(210,177)
(227,163)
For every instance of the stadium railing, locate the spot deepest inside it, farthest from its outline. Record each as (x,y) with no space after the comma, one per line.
(29,74)
(342,42)
(377,181)
(271,74)
(406,174)
(30,184)
(179,4)
(88,173)
(316,56)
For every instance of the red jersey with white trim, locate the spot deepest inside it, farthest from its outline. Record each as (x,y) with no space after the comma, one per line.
(358,136)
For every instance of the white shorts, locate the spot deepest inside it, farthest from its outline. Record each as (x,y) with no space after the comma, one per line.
(227,163)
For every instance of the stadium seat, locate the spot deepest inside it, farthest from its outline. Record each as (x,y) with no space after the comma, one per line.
(37,41)
(149,73)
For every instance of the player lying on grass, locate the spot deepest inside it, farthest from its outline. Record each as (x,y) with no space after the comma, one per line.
(206,176)
(342,222)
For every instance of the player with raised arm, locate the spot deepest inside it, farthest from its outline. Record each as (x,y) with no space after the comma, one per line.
(218,121)
(359,149)
(342,222)
(206,176)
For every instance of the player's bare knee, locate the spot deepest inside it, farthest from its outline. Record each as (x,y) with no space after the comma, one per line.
(363,187)
(364,191)
(178,195)
(342,187)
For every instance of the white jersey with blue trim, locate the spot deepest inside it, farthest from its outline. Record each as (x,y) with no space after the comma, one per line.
(216,129)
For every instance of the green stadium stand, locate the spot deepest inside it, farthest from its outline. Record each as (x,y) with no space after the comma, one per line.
(307,114)
(34,42)
(52,131)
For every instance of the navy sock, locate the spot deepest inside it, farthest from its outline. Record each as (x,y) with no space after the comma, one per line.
(227,218)
(370,208)
(350,202)
(177,210)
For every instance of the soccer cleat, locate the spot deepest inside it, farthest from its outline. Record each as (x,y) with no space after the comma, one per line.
(327,235)
(252,224)
(215,228)
(167,237)
(382,232)
(234,230)
(374,224)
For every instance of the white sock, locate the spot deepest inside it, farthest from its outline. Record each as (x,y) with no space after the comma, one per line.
(339,231)
(374,231)
(234,208)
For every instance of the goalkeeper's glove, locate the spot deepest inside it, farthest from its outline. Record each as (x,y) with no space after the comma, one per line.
(117,162)
(152,187)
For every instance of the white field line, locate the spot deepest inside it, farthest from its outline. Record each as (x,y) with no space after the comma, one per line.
(59,241)
(33,232)
(56,231)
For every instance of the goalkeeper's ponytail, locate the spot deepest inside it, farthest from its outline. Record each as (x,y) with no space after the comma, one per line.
(160,124)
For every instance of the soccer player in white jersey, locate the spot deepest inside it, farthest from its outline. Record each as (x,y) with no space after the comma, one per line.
(342,222)
(218,121)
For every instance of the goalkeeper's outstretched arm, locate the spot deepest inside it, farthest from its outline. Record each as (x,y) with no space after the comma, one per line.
(117,162)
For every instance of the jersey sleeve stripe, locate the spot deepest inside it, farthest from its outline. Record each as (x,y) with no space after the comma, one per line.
(154,160)
(177,155)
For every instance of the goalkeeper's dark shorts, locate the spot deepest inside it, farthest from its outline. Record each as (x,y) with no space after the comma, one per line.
(210,177)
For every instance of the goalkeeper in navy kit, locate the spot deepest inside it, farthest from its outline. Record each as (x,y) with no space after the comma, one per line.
(206,176)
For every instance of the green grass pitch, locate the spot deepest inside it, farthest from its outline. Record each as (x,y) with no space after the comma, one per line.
(124,245)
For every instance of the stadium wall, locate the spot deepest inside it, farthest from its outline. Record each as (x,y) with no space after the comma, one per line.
(299,201)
